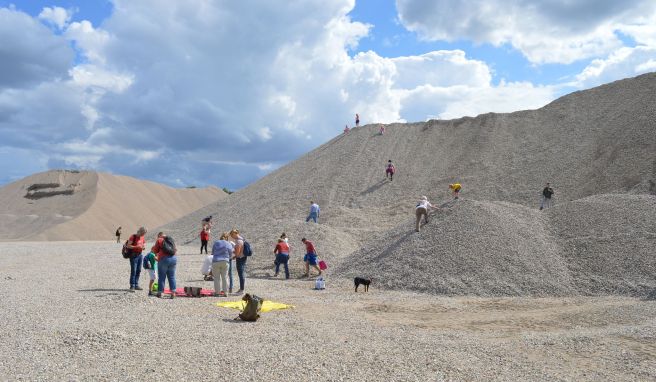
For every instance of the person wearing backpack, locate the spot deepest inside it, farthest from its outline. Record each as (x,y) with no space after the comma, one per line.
(240,260)
(150,264)
(167,261)
(135,246)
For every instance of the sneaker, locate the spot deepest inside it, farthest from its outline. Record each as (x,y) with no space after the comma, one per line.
(230,290)
(138,288)
(172,295)
(158,295)
(131,289)
(276,274)
(241,291)
(150,293)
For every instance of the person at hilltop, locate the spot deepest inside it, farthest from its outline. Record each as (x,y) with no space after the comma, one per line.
(311,257)
(240,260)
(357,120)
(222,255)
(455,189)
(282,257)
(390,170)
(314,212)
(118,234)
(547,193)
(422,208)
(204,238)
(167,265)
(346,129)
(382,129)
(135,245)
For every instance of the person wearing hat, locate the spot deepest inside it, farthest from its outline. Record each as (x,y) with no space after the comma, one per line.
(422,210)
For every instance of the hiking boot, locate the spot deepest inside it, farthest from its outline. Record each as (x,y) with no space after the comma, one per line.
(241,291)
(150,293)
(138,288)
(131,289)
(158,295)
(172,295)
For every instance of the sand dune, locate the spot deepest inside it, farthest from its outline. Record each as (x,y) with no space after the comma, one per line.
(594,142)
(83,205)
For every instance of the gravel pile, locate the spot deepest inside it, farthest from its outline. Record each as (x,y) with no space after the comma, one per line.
(595,142)
(594,246)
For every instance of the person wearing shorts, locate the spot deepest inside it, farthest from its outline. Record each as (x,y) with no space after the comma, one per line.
(422,210)
(152,271)
(390,170)
(310,258)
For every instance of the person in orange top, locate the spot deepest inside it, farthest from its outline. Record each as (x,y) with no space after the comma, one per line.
(136,244)
(166,265)
(282,257)
(204,238)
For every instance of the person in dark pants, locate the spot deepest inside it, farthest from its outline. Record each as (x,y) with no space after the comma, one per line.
(547,193)
(118,235)
(282,257)
(204,238)
(240,260)
(136,244)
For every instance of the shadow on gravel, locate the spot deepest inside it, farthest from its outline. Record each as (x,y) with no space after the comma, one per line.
(233,321)
(374,187)
(650,296)
(103,290)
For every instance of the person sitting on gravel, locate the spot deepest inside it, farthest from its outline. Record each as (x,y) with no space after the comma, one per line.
(206,269)
(222,254)
(136,244)
(166,266)
(547,193)
(282,257)
(311,257)
(314,212)
(455,188)
(422,210)
(346,129)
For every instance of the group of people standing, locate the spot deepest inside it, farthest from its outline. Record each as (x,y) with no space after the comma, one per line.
(158,263)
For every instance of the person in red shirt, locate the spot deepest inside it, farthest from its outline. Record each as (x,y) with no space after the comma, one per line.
(204,238)
(166,265)
(282,257)
(136,244)
(310,258)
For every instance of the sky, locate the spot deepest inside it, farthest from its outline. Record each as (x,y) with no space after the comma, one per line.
(203,92)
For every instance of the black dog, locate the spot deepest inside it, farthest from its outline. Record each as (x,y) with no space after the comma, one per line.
(363,281)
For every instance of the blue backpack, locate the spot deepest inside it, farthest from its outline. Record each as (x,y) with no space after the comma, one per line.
(247,249)
(146,261)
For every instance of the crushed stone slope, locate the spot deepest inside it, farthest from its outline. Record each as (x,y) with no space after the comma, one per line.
(83,205)
(591,142)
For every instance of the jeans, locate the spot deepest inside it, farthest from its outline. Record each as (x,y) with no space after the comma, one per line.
(241,271)
(220,273)
(282,258)
(135,270)
(313,216)
(166,269)
(230,275)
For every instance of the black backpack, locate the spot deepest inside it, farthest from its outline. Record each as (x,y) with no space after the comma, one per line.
(247,249)
(127,252)
(168,246)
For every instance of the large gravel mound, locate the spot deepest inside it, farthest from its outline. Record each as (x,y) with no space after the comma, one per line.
(598,245)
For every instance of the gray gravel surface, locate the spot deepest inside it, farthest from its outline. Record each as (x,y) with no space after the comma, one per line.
(68,316)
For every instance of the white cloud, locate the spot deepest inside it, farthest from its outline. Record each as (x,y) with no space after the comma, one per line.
(56,16)
(622,63)
(545,32)
(213,90)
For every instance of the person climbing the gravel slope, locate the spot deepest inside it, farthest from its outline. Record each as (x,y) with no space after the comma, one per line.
(390,170)
(311,257)
(422,208)
(314,212)
(282,257)
(547,193)
(455,189)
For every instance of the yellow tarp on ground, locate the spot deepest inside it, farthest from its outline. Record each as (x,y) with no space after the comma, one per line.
(267,305)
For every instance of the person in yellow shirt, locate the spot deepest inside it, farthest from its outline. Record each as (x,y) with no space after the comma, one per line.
(455,188)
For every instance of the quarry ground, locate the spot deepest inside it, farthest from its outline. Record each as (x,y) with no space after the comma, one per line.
(67,315)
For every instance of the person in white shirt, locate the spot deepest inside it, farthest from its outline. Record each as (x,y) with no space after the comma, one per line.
(422,210)
(314,212)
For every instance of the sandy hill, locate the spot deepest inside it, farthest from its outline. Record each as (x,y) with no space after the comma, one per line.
(594,142)
(83,205)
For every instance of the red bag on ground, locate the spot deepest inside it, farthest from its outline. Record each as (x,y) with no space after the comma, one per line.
(322,265)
